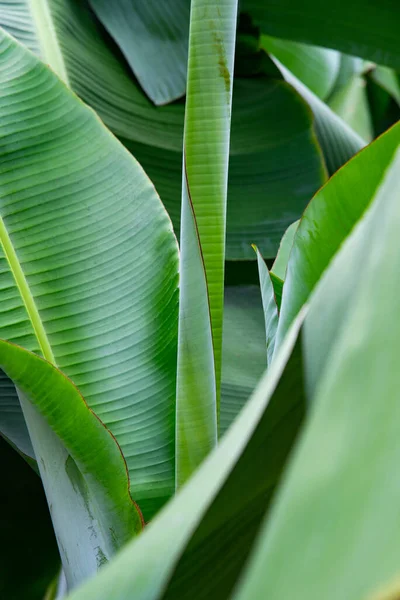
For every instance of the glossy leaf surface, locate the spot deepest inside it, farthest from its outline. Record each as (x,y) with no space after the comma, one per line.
(89,265)
(154,39)
(328,220)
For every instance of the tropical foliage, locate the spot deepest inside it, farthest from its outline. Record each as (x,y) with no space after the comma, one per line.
(208,419)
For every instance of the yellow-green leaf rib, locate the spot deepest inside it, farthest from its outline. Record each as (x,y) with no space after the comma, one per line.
(26,293)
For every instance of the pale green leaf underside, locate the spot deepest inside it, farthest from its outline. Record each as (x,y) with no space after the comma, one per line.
(351,104)
(316,67)
(338,141)
(86,232)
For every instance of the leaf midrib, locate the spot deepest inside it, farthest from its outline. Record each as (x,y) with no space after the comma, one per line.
(25,293)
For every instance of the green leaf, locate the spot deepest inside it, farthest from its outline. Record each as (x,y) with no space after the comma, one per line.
(316,67)
(270,307)
(243,350)
(203,225)
(218,512)
(82,468)
(361,28)
(351,104)
(89,265)
(285,247)
(350,66)
(340,497)
(154,39)
(328,220)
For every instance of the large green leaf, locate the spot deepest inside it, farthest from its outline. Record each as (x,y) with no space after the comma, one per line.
(218,512)
(89,265)
(339,504)
(275,159)
(203,225)
(360,27)
(316,67)
(328,220)
(154,39)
